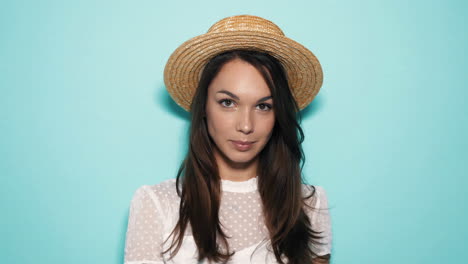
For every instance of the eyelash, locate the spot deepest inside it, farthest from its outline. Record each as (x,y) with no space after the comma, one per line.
(269,106)
(223,101)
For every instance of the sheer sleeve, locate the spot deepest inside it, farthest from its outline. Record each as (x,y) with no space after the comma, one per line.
(319,216)
(144,231)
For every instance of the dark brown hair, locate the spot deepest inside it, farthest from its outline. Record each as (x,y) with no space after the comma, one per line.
(279,173)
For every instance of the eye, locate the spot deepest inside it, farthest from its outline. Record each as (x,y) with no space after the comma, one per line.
(226,103)
(264,107)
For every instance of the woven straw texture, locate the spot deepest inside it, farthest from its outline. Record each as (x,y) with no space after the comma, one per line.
(184,67)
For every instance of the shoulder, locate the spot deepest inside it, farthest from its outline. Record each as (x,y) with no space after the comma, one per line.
(313,191)
(163,193)
(316,208)
(315,197)
(166,189)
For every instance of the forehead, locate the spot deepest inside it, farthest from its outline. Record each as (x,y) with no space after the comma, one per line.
(240,78)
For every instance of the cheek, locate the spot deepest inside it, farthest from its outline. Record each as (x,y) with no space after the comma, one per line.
(209,121)
(217,123)
(268,127)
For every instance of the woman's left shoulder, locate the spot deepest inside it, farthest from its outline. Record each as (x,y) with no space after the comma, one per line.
(313,191)
(316,208)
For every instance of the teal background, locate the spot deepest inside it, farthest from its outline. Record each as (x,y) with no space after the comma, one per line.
(85,120)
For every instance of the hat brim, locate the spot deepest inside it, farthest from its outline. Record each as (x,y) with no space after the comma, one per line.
(184,67)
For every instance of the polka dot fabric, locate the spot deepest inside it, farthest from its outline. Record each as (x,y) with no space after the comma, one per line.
(242,218)
(317,210)
(154,213)
(143,241)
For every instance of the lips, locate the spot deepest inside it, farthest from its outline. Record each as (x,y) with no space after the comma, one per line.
(242,145)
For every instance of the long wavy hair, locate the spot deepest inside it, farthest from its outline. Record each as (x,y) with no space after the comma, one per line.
(279,173)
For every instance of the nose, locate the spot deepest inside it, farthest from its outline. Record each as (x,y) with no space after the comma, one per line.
(245,121)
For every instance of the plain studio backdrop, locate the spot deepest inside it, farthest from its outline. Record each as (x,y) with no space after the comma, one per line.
(85,120)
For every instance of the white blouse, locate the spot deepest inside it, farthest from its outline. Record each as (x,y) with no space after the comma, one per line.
(154,213)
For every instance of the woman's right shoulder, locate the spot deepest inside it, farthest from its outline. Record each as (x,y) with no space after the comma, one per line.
(162,192)
(157,202)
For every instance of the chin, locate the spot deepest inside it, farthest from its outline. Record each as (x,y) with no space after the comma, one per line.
(241,161)
(242,158)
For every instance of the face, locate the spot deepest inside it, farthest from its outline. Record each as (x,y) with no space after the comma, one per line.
(239,113)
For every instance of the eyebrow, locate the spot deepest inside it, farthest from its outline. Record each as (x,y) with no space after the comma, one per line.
(237,98)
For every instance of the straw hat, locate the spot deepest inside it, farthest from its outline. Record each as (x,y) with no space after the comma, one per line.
(184,67)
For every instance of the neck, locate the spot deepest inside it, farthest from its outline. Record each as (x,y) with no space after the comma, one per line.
(232,171)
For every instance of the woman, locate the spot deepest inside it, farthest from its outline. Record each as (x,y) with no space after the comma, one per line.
(239,195)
